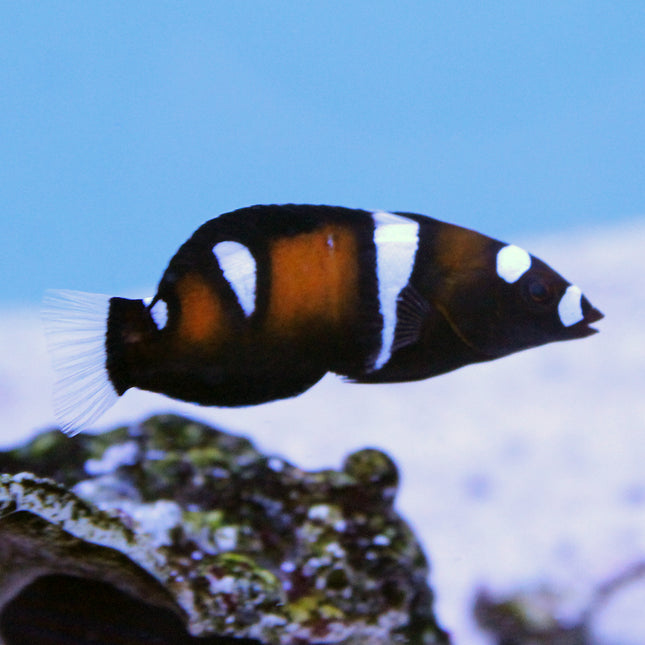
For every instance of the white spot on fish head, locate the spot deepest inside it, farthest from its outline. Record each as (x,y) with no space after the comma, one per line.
(239,269)
(159,313)
(512,263)
(570,306)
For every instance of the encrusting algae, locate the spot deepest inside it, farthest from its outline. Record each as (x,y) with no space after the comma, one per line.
(191,532)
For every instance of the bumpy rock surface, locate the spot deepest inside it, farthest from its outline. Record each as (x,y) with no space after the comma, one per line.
(174,532)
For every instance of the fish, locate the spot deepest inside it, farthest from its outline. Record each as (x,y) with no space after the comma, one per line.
(261,302)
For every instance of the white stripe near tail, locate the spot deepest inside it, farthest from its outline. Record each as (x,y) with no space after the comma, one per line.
(75,327)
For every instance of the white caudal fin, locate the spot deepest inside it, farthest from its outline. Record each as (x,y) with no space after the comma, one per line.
(75,327)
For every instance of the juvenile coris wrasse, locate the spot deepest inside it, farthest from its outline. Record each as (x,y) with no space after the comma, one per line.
(259,304)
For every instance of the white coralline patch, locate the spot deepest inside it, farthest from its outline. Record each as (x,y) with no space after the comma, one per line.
(226,538)
(287,566)
(319,512)
(570,306)
(224,585)
(396,239)
(336,550)
(276,464)
(512,263)
(122,454)
(381,540)
(157,519)
(239,269)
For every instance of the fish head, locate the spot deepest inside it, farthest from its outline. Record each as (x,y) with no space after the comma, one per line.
(510,300)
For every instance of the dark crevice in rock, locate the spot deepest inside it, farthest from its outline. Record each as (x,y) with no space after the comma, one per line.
(67,610)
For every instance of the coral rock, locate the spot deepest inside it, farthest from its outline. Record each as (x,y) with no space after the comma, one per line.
(174,532)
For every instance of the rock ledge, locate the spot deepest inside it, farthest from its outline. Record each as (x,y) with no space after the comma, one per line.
(208,538)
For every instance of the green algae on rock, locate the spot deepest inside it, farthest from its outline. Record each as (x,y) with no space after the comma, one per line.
(226,542)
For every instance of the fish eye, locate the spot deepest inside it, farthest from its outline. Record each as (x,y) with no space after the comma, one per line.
(539,291)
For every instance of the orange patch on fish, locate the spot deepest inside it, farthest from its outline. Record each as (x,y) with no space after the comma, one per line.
(201,318)
(314,276)
(460,250)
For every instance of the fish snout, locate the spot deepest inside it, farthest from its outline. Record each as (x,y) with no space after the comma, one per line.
(590,315)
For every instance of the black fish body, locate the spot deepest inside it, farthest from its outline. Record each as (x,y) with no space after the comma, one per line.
(260,303)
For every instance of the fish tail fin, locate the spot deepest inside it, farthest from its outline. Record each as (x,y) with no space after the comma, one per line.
(76,329)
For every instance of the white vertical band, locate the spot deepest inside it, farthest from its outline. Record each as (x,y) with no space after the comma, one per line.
(238,267)
(396,239)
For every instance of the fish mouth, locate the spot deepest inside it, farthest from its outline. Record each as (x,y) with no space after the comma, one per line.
(591,315)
